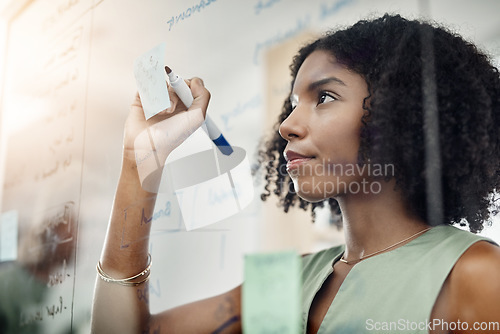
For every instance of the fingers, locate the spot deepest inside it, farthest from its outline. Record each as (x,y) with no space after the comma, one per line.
(201,95)
(137,101)
(174,99)
(136,111)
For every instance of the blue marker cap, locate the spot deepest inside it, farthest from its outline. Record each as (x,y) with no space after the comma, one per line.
(223,145)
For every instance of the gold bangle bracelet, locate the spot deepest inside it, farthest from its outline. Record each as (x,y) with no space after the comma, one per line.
(126,281)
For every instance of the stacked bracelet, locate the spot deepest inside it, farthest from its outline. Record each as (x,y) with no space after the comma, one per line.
(144,275)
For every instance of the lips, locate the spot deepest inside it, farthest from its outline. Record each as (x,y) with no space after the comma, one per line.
(294,159)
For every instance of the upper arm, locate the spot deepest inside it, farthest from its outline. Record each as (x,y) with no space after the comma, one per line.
(218,314)
(475,285)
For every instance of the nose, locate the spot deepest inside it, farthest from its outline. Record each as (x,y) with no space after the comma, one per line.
(294,126)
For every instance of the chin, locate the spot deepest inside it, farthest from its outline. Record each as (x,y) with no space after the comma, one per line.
(311,197)
(314,191)
(310,194)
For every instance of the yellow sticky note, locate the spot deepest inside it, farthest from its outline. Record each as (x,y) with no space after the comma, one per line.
(272,293)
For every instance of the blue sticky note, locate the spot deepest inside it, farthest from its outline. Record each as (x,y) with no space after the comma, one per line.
(8,236)
(149,71)
(271,301)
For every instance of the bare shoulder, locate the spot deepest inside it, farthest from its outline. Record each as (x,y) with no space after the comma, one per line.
(474,285)
(482,259)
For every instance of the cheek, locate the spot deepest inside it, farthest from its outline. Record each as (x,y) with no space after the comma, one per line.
(341,141)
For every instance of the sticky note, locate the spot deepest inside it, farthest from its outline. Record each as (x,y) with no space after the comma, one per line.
(149,71)
(272,293)
(8,236)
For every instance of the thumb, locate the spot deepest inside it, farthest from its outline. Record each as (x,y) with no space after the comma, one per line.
(201,95)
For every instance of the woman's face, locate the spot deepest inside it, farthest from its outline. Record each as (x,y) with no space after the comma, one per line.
(323,129)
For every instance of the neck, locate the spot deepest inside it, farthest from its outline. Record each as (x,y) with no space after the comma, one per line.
(373,222)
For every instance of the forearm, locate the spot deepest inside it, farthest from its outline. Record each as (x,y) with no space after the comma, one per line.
(147,144)
(119,308)
(126,245)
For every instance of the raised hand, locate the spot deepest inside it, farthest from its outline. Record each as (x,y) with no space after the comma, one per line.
(149,142)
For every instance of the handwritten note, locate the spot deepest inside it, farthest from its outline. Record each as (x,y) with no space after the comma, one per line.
(188,12)
(38,313)
(8,236)
(151,82)
(271,293)
(57,225)
(280,37)
(260,6)
(242,107)
(334,8)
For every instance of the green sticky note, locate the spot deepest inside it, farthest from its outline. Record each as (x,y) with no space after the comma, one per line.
(272,293)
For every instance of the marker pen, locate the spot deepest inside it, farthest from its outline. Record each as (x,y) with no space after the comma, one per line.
(182,90)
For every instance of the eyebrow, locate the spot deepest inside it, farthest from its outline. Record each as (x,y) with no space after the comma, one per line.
(314,85)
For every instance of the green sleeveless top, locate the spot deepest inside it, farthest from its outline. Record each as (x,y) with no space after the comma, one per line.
(393,292)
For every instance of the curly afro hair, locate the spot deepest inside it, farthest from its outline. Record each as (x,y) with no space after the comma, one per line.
(387,53)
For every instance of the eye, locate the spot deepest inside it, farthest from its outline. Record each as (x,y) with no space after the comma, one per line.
(325,97)
(294,100)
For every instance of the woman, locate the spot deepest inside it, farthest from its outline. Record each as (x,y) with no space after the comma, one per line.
(352,132)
